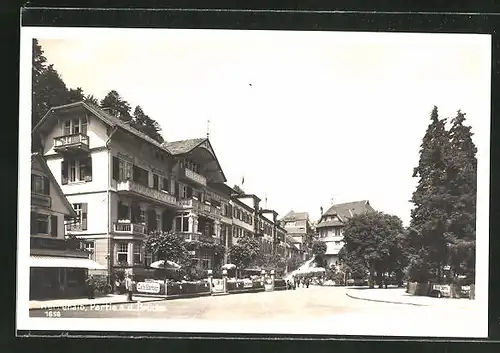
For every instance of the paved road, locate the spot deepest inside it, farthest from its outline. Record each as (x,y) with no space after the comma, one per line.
(326,310)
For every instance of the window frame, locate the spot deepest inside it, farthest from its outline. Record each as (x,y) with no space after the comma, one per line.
(119,251)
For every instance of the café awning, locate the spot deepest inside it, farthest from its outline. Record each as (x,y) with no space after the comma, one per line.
(64,262)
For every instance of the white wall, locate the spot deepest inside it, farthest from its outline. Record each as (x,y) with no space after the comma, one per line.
(96,131)
(100,168)
(97,211)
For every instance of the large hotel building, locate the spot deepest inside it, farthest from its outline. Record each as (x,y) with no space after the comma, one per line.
(122,184)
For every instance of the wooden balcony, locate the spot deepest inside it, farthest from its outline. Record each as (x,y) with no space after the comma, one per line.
(200,207)
(129,228)
(144,192)
(75,143)
(191,177)
(48,243)
(197,237)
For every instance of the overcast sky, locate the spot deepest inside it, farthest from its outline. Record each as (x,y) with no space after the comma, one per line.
(305,117)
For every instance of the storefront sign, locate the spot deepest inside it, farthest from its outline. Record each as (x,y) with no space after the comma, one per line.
(218,285)
(148,287)
(247,283)
(443,288)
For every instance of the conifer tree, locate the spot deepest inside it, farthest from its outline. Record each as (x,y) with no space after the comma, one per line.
(462,172)
(432,199)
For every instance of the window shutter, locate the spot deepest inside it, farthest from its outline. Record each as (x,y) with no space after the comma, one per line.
(189,192)
(46,186)
(88,169)
(64,172)
(84,216)
(116,168)
(33,223)
(176,189)
(53,226)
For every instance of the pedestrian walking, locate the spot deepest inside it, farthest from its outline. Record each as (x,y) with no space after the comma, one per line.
(307,283)
(90,287)
(128,287)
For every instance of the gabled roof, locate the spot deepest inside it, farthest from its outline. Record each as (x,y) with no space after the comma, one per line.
(43,164)
(183,146)
(296,216)
(107,118)
(344,211)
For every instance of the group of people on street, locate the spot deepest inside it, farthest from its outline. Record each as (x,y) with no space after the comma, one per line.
(128,283)
(294,283)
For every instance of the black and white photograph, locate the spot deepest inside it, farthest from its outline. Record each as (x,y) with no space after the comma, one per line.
(254,182)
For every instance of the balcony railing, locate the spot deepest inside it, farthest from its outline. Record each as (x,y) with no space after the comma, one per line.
(71,143)
(74,227)
(200,207)
(129,228)
(147,192)
(197,237)
(190,176)
(191,236)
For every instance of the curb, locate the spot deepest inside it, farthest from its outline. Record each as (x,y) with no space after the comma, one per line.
(52,307)
(383,301)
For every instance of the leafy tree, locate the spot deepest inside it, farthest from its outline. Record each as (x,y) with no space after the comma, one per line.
(432,200)
(372,239)
(244,252)
(319,251)
(293,263)
(117,106)
(145,124)
(270,262)
(462,175)
(75,95)
(352,264)
(167,246)
(91,99)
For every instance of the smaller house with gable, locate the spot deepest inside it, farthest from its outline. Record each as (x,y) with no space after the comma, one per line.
(331,225)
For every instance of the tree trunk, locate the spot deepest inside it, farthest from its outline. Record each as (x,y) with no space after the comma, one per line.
(439,274)
(371,283)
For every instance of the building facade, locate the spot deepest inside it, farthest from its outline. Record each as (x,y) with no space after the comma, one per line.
(58,268)
(123,185)
(331,226)
(299,228)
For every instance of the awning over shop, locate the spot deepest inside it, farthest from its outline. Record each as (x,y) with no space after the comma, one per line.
(64,262)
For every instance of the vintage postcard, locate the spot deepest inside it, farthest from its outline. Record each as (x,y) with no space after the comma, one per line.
(254,182)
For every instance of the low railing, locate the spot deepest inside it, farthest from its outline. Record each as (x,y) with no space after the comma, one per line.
(74,227)
(191,236)
(129,228)
(71,140)
(199,207)
(134,187)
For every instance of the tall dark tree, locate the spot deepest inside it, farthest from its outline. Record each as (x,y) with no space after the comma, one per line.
(48,89)
(432,200)
(75,95)
(142,122)
(462,172)
(91,99)
(244,252)
(117,106)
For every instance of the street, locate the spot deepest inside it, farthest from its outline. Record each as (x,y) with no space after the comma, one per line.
(326,310)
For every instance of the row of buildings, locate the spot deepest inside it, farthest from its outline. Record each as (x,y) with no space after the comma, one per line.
(115,185)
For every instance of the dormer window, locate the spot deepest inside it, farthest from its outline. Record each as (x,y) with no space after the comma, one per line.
(75,126)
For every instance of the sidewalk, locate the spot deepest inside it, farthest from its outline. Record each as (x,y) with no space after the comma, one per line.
(108,299)
(399,296)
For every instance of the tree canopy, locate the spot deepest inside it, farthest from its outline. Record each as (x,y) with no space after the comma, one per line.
(372,239)
(244,251)
(49,90)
